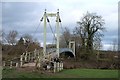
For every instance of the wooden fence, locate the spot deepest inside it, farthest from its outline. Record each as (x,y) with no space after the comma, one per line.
(28,57)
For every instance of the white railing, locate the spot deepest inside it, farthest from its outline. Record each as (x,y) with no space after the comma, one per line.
(34,56)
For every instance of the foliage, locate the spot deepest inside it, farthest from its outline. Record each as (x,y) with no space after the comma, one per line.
(89,30)
(11,51)
(2,37)
(11,37)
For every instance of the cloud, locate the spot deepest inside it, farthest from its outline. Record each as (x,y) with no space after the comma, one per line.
(25,16)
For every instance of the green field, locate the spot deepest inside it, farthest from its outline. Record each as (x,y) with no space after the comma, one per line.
(68,73)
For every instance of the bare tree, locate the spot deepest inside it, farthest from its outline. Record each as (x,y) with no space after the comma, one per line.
(97,45)
(1,33)
(89,29)
(11,37)
(0,41)
(65,37)
(2,37)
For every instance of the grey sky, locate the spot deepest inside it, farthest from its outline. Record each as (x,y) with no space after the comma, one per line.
(24,16)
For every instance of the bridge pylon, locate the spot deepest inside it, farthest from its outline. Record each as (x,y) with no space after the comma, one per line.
(46,15)
(72,46)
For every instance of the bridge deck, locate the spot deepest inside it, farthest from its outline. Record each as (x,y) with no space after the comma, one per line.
(61,50)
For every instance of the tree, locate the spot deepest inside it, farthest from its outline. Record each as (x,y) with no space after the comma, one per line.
(1,34)
(89,29)
(97,45)
(11,37)
(2,37)
(65,37)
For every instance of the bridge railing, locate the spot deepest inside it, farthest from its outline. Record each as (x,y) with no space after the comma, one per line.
(58,66)
(29,57)
(26,57)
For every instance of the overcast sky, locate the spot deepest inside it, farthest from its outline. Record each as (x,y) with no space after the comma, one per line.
(25,16)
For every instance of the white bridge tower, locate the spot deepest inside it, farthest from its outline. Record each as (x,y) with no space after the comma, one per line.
(57,30)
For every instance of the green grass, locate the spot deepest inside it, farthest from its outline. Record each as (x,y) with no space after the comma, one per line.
(91,73)
(13,73)
(69,73)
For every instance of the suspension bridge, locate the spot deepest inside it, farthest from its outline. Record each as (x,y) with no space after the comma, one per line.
(57,51)
(49,57)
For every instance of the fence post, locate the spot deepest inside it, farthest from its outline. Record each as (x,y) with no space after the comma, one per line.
(3,63)
(39,62)
(10,64)
(35,53)
(32,56)
(54,67)
(21,60)
(26,56)
(16,65)
(62,65)
(29,56)
(23,56)
(57,66)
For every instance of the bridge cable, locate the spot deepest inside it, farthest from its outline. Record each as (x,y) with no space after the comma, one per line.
(62,30)
(28,43)
(35,32)
(63,34)
(51,28)
(54,37)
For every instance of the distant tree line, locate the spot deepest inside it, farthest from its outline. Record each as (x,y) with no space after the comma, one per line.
(12,38)
(13,46)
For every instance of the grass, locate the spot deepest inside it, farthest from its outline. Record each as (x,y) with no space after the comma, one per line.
(91,73)
(69,73)
(13,73)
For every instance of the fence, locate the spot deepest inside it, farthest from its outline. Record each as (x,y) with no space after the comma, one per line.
(24,58)
(58,66)
(28,57)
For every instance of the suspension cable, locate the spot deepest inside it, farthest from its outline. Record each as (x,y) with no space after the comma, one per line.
(34,33)
(63,35)
(62,31)
(36,29)
(28,43)
(54,40)
(51,28)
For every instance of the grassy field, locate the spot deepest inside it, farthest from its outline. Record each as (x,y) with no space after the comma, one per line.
(69,73)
